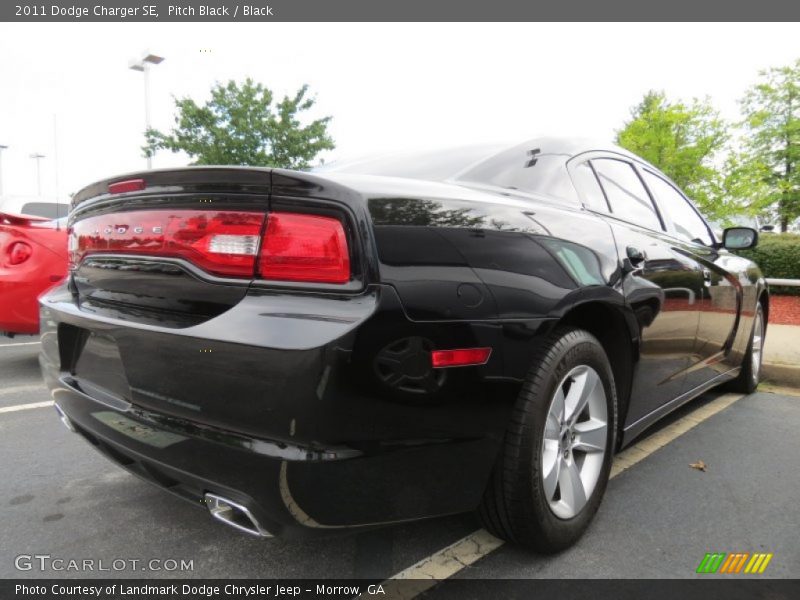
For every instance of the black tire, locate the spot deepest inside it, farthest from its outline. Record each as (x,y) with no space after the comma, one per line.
(749,375)
(514,505)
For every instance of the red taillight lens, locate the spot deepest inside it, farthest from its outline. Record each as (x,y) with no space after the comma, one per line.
(462,357)
(18,252)
(299,247)
(224,243)
(295,247)
(129,185)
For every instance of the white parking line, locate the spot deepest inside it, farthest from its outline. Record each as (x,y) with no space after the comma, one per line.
(18,345)
(8,409)
(457,556)
(21,389)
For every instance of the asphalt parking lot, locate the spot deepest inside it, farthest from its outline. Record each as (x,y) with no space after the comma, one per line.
(660,516)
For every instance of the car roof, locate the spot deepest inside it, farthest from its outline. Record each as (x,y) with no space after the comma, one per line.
(573,146)
(447,163)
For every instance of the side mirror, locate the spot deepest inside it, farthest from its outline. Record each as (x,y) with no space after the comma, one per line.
(768,228)
(739,238)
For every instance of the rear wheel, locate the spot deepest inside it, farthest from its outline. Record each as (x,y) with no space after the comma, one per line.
(750,374)
(557,451)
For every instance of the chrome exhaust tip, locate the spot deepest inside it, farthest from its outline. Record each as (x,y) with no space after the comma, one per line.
(234,514)
(64,418)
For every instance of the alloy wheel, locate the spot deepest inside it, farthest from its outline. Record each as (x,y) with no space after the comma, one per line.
(757,344)
(575,440)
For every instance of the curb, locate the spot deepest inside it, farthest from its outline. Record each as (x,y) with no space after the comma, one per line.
(781,374)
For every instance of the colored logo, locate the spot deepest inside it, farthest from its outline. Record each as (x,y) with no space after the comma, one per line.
(734,562)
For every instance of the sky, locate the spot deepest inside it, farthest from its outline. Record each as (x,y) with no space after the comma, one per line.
(66,90)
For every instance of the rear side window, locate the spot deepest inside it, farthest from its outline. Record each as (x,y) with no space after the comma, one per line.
(626,194)
(588,187)
(688,224)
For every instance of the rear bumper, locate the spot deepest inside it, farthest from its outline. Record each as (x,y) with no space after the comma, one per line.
(282,414)
(191,462)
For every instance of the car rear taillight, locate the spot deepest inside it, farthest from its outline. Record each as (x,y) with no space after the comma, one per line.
(224,243)
(294,247)
(301,247)
(18,253)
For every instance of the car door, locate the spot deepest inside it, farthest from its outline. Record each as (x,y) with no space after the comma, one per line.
(661,284)
(721,292)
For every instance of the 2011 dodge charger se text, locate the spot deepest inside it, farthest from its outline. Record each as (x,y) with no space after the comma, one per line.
(397,338)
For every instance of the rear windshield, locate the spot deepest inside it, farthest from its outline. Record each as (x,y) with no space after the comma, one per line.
(431,165)
(526,170)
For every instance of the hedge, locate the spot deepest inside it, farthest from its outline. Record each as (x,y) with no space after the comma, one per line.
(778,255)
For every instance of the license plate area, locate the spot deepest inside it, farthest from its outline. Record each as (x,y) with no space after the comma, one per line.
(92,360)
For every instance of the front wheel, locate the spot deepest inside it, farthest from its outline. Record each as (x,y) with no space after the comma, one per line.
(557,452)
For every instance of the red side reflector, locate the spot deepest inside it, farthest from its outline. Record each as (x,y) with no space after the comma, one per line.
(462,357)
(130,185)
(300,247)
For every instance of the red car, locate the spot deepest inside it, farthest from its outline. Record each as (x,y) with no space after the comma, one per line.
(33,258)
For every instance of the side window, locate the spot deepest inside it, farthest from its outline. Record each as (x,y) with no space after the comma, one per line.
(588,187)
(688,224)
(625,192)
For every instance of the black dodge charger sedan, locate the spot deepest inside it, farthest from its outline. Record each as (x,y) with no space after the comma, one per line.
(394,339)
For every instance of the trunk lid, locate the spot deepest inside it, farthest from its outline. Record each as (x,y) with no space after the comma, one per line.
(143,254)
(177,247)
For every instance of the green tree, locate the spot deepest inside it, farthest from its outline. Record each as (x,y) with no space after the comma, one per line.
(683,140)
(771,110)
(243,125)
(741,187)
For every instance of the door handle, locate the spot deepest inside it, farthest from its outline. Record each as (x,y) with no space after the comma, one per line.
(707,276)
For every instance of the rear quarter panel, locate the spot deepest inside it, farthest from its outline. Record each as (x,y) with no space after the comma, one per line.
(456,254)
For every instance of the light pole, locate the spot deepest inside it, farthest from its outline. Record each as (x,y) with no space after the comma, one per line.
(1,168)
(38,158)
(143,64)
